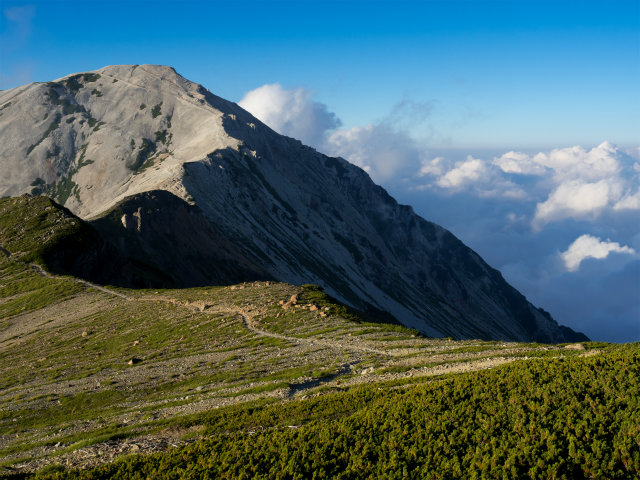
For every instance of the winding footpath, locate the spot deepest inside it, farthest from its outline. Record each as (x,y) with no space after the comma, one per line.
(245,315)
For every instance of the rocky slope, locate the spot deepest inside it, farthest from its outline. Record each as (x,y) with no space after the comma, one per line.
(205,192)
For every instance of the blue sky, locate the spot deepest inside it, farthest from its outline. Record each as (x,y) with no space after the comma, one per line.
(513,123)
(497,74)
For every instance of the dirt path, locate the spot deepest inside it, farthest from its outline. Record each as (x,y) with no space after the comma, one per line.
(248,319)
(86,283)
(44,273)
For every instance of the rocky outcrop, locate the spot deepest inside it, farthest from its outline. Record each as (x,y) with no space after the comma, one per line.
(162,230)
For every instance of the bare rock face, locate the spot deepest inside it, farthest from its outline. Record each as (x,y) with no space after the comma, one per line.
(200,189)
(134,126)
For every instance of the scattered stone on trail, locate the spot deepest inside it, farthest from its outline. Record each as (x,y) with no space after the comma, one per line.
(313,308)
(85,333)
(202,306)
(322,314)
(136,342)
(294,299)
(134,361)
(574,346)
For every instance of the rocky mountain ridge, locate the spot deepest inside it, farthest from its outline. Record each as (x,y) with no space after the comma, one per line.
(208,194)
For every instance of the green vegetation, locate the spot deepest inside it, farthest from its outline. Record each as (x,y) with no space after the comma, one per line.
(571,419)
(142,106)
(33,227)
(314,294)
(73,83)
(26,290)
(269,380)
(65,186)
(62,190)
(93,123)
(161,136)
(68,107)
(156,110)
(53,153)
(96,92)
(82,161)
(52,126)
(91,77)
(145,152)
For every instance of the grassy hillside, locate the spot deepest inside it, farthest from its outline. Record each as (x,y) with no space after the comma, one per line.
(575,418)
(33,228)
(268,380)
(36,229)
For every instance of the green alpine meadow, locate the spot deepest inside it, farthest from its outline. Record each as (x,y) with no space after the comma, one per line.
(271,380)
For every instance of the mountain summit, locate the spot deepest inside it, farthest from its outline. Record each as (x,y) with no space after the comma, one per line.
(197,187)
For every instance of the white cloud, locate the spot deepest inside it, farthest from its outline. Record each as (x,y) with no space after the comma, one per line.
(629,202)
(600,162)
(576,199)
(383,149)
(291,112)
(517,162)
(587,246)
(471,175)
(586,183)
(465,173)
(434,167)
(378,149)
(571,182)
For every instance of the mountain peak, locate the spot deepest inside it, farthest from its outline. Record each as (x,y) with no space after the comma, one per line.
(125,71)
(243,198)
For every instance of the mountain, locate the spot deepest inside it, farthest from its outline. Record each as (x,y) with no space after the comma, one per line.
(38,230)
(194,186)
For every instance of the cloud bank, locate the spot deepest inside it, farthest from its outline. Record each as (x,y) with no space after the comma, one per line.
(539,217)
(383,149)
(291,112)
(587,246)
